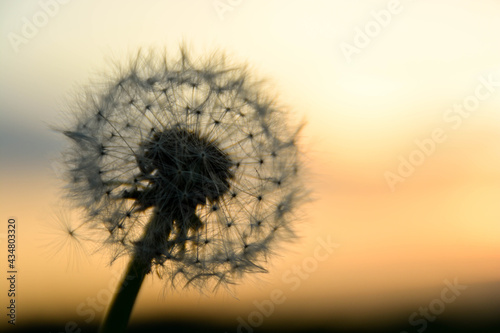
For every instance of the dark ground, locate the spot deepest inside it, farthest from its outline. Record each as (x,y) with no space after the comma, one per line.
(170,327)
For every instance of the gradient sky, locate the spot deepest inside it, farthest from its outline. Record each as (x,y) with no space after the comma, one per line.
(364,114)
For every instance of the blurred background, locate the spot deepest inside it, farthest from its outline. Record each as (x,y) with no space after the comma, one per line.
(402,101)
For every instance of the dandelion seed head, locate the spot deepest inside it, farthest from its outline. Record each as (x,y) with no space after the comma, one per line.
(186,164)
(62,234)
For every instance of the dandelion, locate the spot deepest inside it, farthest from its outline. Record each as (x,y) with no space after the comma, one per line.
(185,166)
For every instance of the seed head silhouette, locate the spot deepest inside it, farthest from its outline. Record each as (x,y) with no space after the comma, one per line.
(186,166)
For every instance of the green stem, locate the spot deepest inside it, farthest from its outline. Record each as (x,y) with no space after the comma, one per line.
(118,315)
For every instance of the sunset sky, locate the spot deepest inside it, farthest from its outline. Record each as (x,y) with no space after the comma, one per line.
(402,104)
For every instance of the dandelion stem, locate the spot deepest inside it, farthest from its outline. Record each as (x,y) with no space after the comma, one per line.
(117,318)
(118,315)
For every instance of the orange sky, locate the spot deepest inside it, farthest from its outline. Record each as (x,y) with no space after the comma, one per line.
(441,223)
